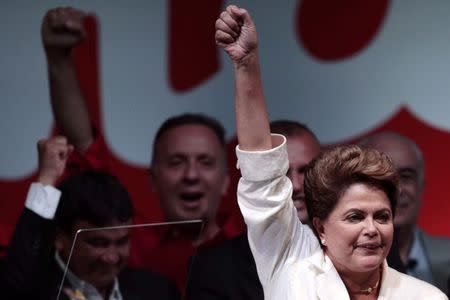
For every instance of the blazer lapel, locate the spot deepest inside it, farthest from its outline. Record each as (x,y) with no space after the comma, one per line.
(389,283)
(329,283)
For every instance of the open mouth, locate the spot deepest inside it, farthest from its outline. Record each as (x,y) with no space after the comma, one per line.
(191,196)
(403,203)
(191,199)
(299,203)
(299,198)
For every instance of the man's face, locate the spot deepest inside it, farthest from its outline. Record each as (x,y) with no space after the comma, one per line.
(411,179)
(98,255)
(301,150)
(189,173)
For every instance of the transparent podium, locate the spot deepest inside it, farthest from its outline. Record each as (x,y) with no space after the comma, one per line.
(136,261)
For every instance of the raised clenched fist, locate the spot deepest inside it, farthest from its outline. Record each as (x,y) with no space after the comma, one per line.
(236,33)
(62,29)
(53,154)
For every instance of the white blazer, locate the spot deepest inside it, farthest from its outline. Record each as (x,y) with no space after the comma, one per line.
(318,279)
(289,260)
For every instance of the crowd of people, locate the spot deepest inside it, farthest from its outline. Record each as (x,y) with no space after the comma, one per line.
(339,223)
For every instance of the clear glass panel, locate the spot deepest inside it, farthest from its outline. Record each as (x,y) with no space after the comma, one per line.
(150,260)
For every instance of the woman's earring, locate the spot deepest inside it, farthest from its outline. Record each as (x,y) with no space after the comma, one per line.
(324,242)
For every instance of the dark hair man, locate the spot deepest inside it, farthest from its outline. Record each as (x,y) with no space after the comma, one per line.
(48,235)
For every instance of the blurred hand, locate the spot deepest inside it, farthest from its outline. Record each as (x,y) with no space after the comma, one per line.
(236,33)
(62,29)
(53,154)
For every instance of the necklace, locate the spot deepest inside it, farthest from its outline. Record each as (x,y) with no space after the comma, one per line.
(370,289)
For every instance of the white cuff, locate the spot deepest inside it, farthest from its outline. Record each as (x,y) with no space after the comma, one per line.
(264,165)
(43,200)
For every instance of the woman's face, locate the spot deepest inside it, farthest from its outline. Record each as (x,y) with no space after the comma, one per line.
(358,232)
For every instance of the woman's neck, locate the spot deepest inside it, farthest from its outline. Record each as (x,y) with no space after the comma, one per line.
(362,285)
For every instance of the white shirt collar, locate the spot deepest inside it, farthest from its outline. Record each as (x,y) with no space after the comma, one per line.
(84,290)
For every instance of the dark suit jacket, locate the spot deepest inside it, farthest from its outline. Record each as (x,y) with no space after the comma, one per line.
(31,272)
(226,271)
(437,250)
(134,284)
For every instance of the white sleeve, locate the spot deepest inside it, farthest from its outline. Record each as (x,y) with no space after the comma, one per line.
(276,235)
(43,200)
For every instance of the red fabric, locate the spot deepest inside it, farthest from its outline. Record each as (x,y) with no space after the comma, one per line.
(6,231)
(96,158)
(163,251)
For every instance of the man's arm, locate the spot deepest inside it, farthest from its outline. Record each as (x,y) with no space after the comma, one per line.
(62,29)
(31,246)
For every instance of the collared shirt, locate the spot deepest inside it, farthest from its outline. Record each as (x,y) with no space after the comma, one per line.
(418,264)
(44,200)
(82,290)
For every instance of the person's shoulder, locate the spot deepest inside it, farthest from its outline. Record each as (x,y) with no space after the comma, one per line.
(231,254)
(149,279)
(407,286)
(234,244)
(435,238)
(143,284)
(437,247)
(234,248)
